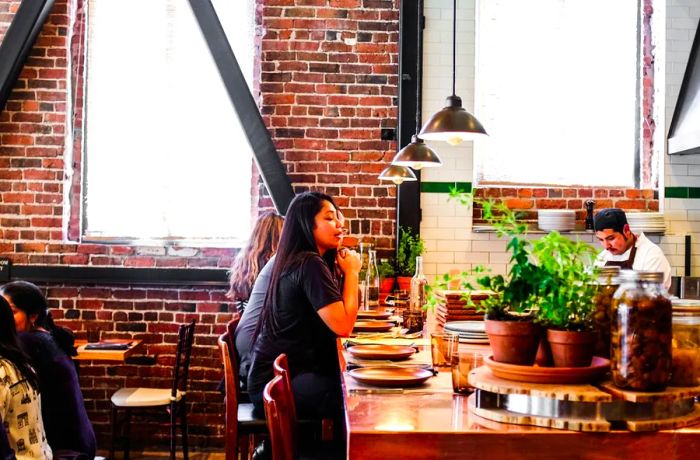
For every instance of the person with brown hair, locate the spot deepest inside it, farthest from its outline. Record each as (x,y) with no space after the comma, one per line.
(262,245)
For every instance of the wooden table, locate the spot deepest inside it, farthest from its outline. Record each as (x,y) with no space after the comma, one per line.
(106,355)
(436,423)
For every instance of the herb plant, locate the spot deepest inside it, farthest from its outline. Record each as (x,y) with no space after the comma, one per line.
(515,294)
(567,284)
(410,247)
(386,269)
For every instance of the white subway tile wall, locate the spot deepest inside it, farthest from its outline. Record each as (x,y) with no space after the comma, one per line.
(446,226)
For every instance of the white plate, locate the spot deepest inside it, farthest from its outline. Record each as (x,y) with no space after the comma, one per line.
(475,341)
(466,326)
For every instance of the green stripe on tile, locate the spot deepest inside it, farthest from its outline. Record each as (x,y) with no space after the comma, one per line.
(444,187)
(693,192)
(676,192)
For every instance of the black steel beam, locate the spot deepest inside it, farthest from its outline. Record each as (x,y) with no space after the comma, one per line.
(119,275)
(18,42)
(271,168)
(411,25)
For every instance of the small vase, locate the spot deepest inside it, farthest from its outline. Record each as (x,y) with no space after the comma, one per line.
(513,342)
(571,348)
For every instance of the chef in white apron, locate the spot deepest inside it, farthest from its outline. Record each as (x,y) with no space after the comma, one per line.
(624,249)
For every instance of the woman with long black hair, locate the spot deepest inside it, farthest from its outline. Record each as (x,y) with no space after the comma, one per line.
(49,347)
(306,308)
(20,407)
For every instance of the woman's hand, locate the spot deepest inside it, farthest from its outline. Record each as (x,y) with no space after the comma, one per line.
(348,261)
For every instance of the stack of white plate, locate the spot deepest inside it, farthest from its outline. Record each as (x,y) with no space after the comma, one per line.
(647,222)
(561,220)
(468,331)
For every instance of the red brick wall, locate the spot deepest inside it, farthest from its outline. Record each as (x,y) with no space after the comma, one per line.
(327,85)
(527,200)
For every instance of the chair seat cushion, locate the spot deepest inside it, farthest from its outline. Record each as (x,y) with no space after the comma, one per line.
(143,397)
(249,423)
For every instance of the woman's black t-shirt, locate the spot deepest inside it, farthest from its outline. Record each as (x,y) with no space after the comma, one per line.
(294,326)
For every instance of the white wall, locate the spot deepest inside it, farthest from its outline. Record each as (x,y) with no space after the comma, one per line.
(446,226)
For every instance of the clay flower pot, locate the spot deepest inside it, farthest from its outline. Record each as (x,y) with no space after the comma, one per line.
(571,348)
(404,283)
(513,342)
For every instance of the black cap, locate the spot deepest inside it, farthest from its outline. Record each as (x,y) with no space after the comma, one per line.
(613,218)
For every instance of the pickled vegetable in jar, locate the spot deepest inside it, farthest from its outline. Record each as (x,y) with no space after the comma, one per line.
(641,332)
(685,371)
(606,286)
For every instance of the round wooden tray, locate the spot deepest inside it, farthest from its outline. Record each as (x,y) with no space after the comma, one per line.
(596,371)
(379,351)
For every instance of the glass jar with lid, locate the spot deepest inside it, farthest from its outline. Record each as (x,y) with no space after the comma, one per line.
(685,370)
(607,284)
(641,332)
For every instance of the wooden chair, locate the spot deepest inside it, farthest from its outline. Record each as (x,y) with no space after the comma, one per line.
(322,429)
(174,398)
(281,423)
(239,420)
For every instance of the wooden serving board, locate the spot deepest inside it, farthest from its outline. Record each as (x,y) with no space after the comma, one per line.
(483,379)
(665,424)
(669,394)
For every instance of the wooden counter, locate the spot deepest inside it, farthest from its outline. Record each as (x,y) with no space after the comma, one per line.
(106,355)
(432,423)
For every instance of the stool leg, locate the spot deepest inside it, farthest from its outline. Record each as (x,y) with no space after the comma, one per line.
(183,427)
(173,430)
(127,433)
(114,421)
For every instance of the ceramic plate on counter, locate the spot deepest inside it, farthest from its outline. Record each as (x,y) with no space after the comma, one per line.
(372,326)
(379,351)
(391,376)
(373,314)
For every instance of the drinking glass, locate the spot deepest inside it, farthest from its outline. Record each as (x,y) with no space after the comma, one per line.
(443,345)
(463,361)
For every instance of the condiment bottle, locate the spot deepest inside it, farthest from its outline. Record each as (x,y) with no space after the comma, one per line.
(606,286)
(364,257)
(372,281)
(641,332)
(417,293)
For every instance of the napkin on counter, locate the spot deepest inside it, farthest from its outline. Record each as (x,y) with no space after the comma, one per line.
(107,346)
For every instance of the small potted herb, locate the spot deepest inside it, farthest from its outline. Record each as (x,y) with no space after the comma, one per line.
(567,288)
(410,247)
(386,276)
(513,335)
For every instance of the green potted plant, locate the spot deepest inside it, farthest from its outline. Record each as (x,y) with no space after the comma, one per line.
(567,288)
(410,247)
(513,335)
(387,277)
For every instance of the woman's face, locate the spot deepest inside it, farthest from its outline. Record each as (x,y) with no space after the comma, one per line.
(328,228)
(22,323)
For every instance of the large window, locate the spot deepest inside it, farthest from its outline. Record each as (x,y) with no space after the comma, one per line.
(165,154)
(556,88)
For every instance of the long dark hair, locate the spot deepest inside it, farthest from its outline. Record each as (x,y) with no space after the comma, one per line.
(29,298)
(9,344)
(262,244)
(296,242)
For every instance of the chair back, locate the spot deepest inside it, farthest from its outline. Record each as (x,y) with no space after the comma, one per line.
(182,359)
(281,367)
(278,401)
(228,357)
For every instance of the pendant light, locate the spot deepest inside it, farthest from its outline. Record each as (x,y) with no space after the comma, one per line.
(397,174)
(417,154)
(452,124)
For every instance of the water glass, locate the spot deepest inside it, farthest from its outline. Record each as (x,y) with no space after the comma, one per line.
(463,362)
(443,345)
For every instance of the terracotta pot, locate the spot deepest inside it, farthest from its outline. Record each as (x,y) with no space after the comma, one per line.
(404,282)
(544,353)
(387,285)
(571,348)
(513,342)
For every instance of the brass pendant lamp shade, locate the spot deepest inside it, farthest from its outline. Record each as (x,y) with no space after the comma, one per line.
(417,155)
(452,124)
(397,174)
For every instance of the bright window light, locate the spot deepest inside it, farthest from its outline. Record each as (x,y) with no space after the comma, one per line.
(556,89)
(166,156)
